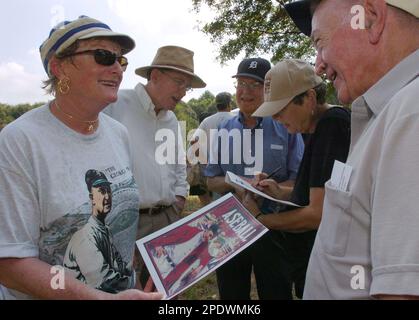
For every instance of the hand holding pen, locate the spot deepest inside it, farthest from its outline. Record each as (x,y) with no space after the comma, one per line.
(263,176)
(264,183)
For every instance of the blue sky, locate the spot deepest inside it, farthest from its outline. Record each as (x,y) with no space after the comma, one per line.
(152,23)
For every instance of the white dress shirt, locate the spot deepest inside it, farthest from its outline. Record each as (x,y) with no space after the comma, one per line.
(159,183)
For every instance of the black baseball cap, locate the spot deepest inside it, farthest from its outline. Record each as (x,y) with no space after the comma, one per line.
(255,68)
(300,13)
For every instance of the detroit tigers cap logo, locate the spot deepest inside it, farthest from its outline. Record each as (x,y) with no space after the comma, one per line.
(253,65)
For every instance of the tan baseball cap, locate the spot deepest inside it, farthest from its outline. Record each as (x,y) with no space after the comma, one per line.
(286,80)
(300,12)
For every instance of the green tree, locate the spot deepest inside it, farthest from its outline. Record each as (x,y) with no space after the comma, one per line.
(5,118)
(186,113)
(203,104)
(331,96)
(10,113)
(255,27)
(21,109)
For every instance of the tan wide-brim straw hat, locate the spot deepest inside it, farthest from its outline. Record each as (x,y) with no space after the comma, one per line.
(174,58)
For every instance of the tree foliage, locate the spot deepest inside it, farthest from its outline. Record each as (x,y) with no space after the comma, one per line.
(10,113)
(255,27)
(185,113)
(203,104)
(189,112)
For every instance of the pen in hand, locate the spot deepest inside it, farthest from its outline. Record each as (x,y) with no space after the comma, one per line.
(274,172)
(269,176)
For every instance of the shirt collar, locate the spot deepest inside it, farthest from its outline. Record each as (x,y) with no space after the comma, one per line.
(377,97)
(97,222)
(241,119)
(146,102)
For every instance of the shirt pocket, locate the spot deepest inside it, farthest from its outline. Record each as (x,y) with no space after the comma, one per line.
(275,158)
(336,221)
(278,155)
(278,147)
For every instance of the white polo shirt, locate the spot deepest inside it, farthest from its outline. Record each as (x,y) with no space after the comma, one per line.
(208,124)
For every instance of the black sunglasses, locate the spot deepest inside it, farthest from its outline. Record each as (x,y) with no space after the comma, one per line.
(102,57)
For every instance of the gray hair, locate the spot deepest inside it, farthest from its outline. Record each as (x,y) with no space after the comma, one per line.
(320,95)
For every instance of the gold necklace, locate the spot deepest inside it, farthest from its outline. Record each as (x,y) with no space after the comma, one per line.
(92,124)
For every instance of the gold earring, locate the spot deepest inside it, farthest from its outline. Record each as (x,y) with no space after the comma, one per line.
(64,86)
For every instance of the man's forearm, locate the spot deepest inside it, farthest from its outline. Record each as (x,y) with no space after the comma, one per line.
(218,184)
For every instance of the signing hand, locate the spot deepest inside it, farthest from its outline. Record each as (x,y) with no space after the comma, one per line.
(239,192)
(272,188)
(259,176)
(250,203)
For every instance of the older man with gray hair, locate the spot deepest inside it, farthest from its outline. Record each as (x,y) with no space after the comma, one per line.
(367,242)
(147,112)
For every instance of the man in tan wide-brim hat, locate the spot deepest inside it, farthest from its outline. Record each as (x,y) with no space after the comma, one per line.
(147,111)
(173,58)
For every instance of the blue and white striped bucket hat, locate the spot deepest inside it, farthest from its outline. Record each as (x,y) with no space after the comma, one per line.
(66,33)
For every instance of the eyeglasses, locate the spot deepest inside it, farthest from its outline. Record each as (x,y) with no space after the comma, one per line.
(103,57)
(181,84)
(251,86)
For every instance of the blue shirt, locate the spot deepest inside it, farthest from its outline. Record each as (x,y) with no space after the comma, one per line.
(274,147)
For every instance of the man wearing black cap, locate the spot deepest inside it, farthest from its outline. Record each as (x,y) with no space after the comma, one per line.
(264,145)
(367,243)
(91,256)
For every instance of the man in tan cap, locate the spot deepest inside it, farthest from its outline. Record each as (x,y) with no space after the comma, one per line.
(367,243)
(147,112)
(296,97)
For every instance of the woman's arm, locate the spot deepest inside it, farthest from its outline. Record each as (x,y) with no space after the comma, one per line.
(35,278)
